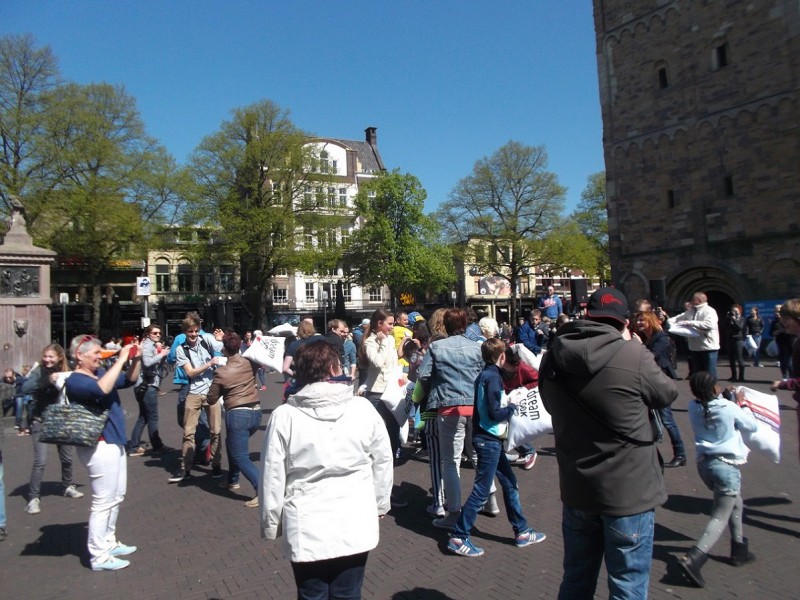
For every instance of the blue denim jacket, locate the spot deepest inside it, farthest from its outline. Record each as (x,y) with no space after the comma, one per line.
(449,371)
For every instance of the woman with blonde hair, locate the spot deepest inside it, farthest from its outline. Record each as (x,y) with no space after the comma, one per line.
(436,322)
(44,384)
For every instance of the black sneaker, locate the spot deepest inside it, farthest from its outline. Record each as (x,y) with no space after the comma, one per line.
(178,476)
(216,472)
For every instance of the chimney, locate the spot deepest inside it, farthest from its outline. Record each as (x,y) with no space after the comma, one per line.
(372,136)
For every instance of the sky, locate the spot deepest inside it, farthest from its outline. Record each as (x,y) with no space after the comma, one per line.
(445,82)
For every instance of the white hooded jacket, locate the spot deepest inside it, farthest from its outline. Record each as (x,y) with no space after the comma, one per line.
(326,474)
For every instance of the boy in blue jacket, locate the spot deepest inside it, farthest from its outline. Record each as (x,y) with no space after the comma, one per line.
(490,425)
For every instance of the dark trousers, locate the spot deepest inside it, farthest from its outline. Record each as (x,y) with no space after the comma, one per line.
(392,428)
(148,415)
(340,578)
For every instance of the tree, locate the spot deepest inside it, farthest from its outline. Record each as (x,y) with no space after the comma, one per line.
(503,211)
(251,179)
(27,75)
(591,216)
(397,245)
(113,180)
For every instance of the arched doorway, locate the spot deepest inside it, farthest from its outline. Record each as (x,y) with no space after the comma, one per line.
(722,288)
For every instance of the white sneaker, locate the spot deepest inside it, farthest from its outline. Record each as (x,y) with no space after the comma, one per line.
(33,507)
(72,492)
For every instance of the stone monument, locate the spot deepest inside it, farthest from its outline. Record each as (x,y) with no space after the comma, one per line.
(24,294)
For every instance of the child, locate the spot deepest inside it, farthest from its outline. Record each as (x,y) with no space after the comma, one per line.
(717,423)
(489,423)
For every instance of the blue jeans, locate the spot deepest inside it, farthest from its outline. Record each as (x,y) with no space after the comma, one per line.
(148,414)
(704,360)
(720,477)
(339,578)
(22,403)
(672,430)
(491,461)
(2,494)
(240,424)
(757,352)
(40,450)
(261,377)
(626,543)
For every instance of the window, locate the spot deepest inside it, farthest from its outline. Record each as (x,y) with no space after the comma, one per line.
(727,183)
(281,272)
(342,196)
(663,78)
(205,279)
(310,296)
(226,278)
(308,197)
(162,277)
(184,277)
(308,238)
(184,236)
(280,296)
(344,235)
(347,292)
(720,56)
(332,197)
(671,198)
(375,294)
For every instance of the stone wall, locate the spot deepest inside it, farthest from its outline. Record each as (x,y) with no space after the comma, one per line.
(701,139)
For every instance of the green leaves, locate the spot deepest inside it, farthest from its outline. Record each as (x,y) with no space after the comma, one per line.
(397,245)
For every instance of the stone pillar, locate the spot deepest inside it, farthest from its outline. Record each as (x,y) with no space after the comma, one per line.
(24,295)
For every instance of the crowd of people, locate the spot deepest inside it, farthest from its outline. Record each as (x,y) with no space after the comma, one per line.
(329,452)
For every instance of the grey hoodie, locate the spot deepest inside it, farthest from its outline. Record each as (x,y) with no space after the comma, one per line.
(616,382)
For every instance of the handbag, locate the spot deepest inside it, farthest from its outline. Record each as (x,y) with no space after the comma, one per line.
(750,344)
(72,424)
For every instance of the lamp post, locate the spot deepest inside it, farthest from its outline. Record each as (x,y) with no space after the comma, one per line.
(63,298)
(324,309)
(454,295)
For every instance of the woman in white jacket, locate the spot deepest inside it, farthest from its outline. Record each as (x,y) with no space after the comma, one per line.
(326,477)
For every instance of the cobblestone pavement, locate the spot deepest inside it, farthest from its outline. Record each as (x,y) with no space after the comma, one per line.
(197,541)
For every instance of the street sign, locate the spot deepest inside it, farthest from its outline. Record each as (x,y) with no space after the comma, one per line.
(142,286)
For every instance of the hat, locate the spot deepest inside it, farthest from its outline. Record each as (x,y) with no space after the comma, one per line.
(364,322)
(413,317)
(607,303)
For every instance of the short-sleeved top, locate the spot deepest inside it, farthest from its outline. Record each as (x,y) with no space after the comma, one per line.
(198,355)
(83,389)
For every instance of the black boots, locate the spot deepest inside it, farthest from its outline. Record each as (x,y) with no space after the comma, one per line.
(740,554)
(678,461)
(691,563)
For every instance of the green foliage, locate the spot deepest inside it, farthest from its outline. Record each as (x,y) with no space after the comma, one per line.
(397,245)
(591,218)
(251,179)
(27,74)
(504,210)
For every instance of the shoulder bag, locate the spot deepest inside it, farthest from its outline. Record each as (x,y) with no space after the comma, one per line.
(72,424)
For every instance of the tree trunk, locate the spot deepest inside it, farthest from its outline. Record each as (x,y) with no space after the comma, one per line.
(97,298)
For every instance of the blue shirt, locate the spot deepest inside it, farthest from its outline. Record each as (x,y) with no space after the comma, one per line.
(85,390)
(720,436)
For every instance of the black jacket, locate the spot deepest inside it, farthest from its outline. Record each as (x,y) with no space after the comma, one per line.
(599,388)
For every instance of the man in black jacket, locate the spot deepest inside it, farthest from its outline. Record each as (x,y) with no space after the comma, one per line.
(600,388)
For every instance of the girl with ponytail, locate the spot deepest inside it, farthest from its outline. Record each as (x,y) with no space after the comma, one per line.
(717,423)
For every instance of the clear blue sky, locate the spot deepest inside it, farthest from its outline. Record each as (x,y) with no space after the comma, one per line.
(445,82)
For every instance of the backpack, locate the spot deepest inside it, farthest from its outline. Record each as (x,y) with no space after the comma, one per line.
(203,343)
